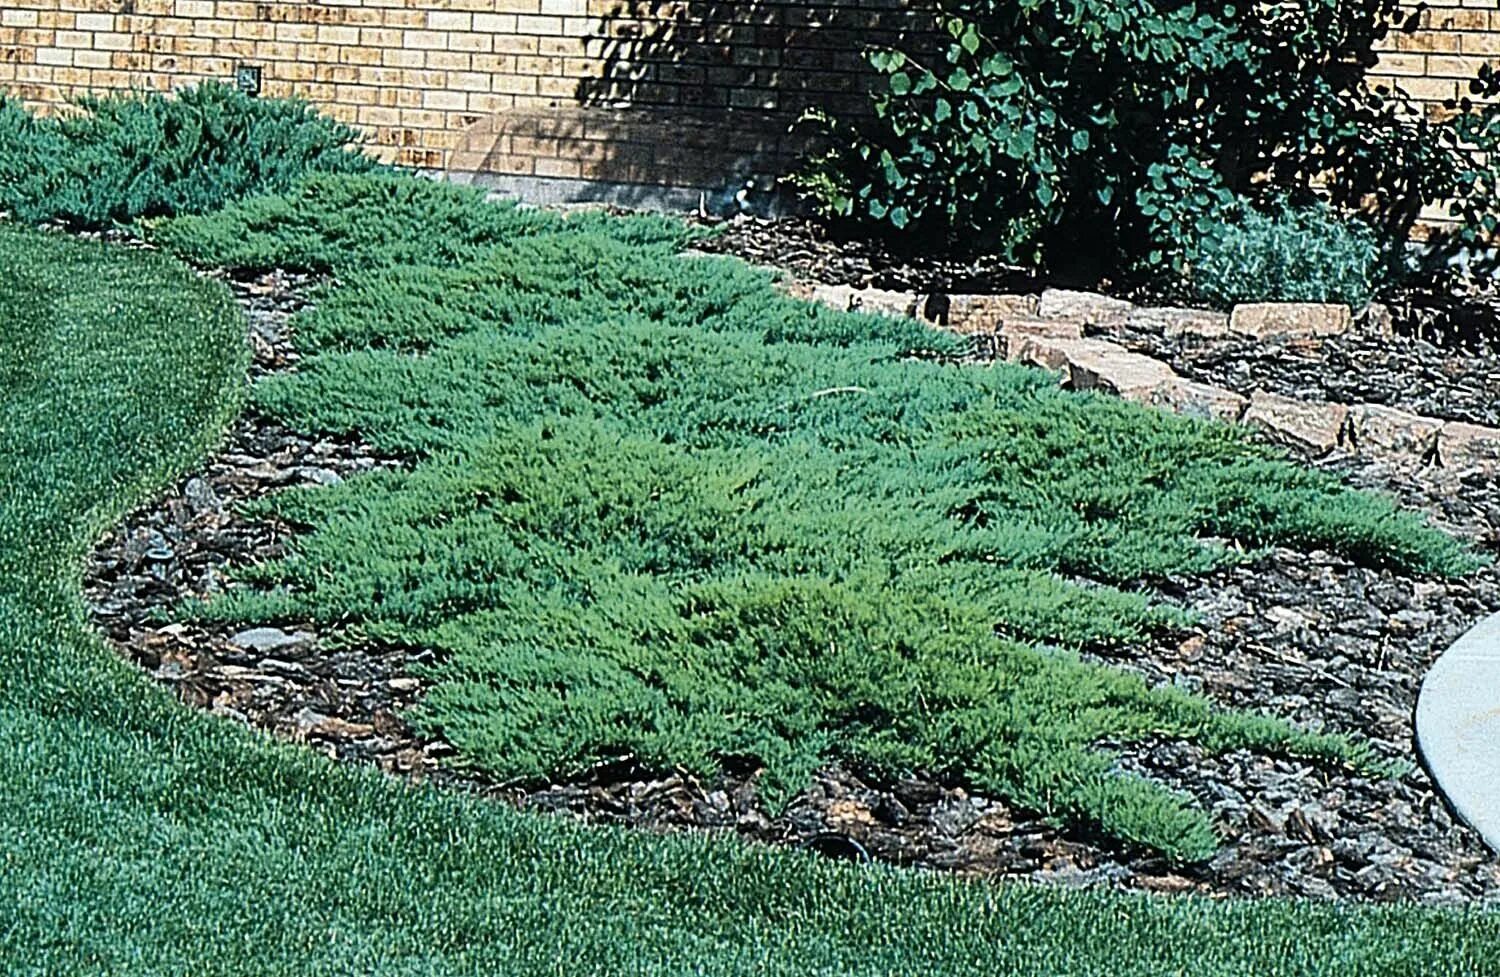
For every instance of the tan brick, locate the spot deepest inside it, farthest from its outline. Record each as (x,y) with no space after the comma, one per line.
(1448,66)
(254,31)
(567,168)
(515,84)
(445,100)
(541,26)
(1440,41)
(448,60)
(471,43)
(422,40)
(338,35)
(495,23)
(447,20)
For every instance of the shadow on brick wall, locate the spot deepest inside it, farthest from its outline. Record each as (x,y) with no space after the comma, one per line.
(778,57)
(698,94)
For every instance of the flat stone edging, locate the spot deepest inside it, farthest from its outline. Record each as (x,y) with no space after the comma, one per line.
(1047,330)
(1458,728)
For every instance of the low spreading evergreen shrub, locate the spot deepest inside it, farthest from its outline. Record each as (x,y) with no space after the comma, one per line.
(122,157)
(656,511)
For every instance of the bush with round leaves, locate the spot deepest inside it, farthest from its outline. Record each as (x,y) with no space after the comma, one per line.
(1111,136)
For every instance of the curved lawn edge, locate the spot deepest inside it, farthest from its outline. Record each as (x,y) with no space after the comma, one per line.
(143,837)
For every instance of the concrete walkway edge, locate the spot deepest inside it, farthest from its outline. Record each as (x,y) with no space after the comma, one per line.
(1458,727)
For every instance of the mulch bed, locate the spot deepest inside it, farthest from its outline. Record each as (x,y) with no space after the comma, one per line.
(1312,638)
(1401,371)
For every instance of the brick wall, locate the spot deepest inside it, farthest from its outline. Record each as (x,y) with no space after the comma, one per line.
(640,91)
(426,78)
(1436,63)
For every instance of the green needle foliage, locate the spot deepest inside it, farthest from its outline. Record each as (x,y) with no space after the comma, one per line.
(658,511)
(140,837)
(123,157)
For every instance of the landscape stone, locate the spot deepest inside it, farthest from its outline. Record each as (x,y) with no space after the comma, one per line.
(1201,400)
(200,497)
(1461,444)
(1173,322)
(1015,333)
(879,300)
(1316,426)
(846,298)
(1089,308)
(983,314)
(1046,352)
(1094,364)
(1387,430)
(1377,321)
(311,722)
(800,290)
(1105,367)
(1290,320)
(270,640)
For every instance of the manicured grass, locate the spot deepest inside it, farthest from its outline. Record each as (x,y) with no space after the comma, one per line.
(657,511)
(140,838)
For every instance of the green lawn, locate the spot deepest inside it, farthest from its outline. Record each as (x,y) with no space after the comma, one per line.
(141,838)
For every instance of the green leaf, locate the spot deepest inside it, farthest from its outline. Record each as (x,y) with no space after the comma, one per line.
(1020,144)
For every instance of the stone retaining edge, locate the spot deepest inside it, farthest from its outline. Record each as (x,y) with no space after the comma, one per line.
(1046,331)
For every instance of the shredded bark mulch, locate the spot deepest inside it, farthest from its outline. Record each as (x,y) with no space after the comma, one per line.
(1401,371)
(1309,637)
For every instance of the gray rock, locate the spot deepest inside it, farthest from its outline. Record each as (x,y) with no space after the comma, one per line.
(201,497)
(320,476)
(268,641)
